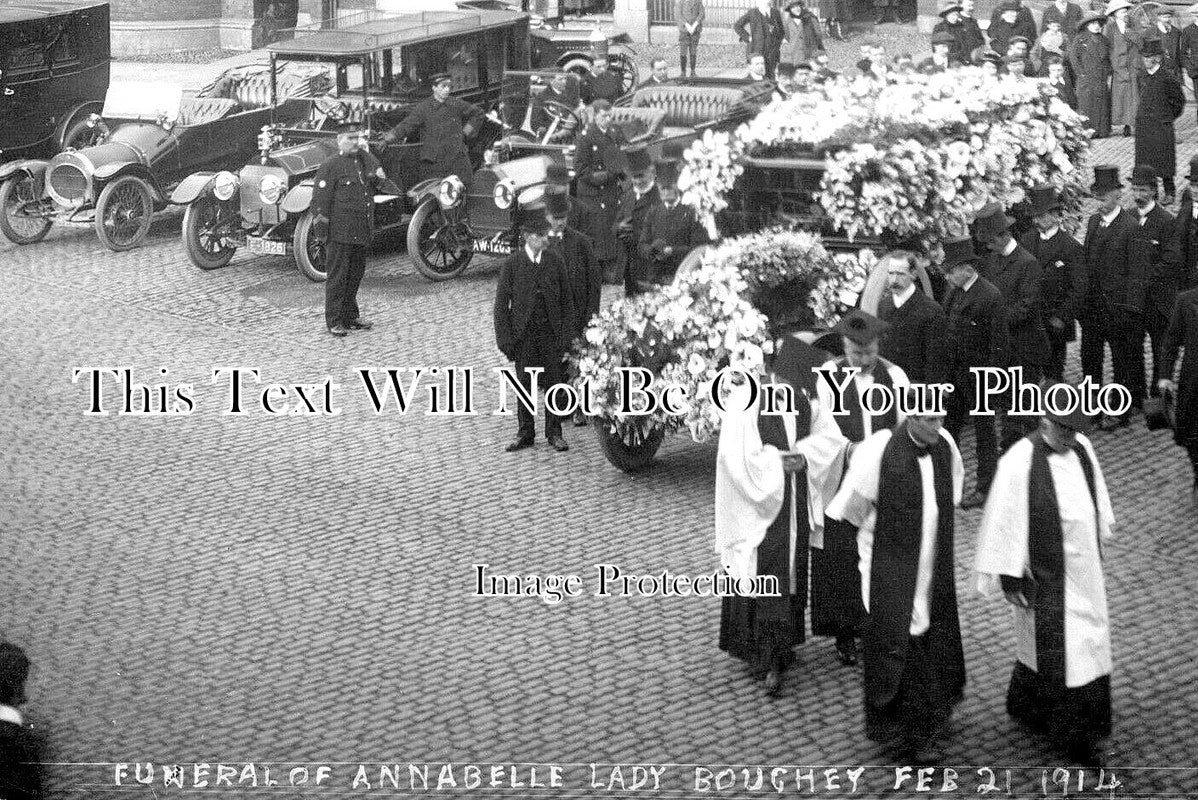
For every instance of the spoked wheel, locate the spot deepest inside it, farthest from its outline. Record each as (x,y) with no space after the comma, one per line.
(629,448)
(18,196)
(437,247)
(310,254)
(204,230)
(124,213)
(623,66)
(1144,14)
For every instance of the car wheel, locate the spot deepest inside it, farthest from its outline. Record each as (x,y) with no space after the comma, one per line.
(80,135)
(579,65)
(437,251)
(19,227)
(202,234)
(630,450)
(124,213)
(309,251)
(623,66)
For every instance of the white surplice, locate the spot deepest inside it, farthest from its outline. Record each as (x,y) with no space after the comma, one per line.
(749,488)
(856,503)
(1003,550)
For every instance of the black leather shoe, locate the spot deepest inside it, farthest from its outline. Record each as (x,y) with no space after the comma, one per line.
(974,499)
(519,444)
(558,444)
(338,330)
(361,323)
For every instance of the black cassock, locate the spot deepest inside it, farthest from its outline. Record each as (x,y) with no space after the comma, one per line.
(1161,102)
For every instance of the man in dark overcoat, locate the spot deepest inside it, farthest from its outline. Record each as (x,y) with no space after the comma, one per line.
(343,217)
(761,30)
(977,337)
(670,230)
(1116,261)
(1090,58)
(1161,102)
(534,322)
(557,181)
(900,490)
(1164,268)
(1016,274)
(444,123)
(640,196)
(1183,334)
(1185,231)
(598,164)
(1062,274)
(914,339)
(1170,40)
(601,83)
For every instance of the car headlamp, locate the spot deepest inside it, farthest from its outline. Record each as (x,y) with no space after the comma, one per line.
(504,193)
(224,185)
(270,189)
(450,191)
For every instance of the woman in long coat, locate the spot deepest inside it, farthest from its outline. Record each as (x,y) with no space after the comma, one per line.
(1090,57)
(1125,65)
(803,39)
(1183,333)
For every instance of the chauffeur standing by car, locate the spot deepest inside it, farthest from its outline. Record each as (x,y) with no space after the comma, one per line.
(598,164)
(343,217)
(444,124)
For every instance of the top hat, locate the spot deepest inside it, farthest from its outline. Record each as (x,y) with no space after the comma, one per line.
(440,77)
(1095,16)
(1075,420)
(639,160)
(558,174)
(1115,5)
(1193,175)
(533,221)
(1151,47)
(1043,198)
(990,221)
(668,172)
(943,37)
(796,363)
(1023,39)
(557,205)
(951,7)
(860,326)
(1106,179)
(959,251)
(1143,175)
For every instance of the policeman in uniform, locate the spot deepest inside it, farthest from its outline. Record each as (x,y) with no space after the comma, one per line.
(444,123)
(598,164)
(343,218)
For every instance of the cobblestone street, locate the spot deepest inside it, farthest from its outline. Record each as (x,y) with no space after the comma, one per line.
(298,590)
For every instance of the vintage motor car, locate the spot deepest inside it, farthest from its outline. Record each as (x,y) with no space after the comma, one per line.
(54,64)
(380,68)
(149,138)
(574,49)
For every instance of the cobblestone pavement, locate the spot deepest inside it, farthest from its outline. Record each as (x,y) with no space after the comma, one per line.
(298,590)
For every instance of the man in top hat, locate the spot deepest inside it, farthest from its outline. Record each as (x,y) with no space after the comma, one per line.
(600,83)
(836,608)
(1064,12)
(444,123)
(1185,231)
(640,196)
(343,217)
(914,336)
(20,748)
(1090,58)
(670,229)
(950,24)
(900,490)
(1010,18)
(1062,274)
(1164,265)
(761,30)
(1161,102)
(598,164)
(977,337)
(1040,544)
(1187,48)
(557,181)
(940,60)
(1124,37)
(771,487)
(1116,262)
(535,322)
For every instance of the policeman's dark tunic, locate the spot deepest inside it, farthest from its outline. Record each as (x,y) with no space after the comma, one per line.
(343,194)
(442,140)
(598,163)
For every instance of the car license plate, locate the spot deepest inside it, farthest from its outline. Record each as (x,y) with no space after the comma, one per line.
(266,247)
(495,246)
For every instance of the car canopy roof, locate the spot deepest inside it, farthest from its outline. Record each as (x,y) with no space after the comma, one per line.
(385,33)
(21,11)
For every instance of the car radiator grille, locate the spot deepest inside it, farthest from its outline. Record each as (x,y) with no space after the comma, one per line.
(68,181)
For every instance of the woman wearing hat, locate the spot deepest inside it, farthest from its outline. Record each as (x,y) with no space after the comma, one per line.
(1124,38)
(803,38)
(1090,57)
(950,24)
